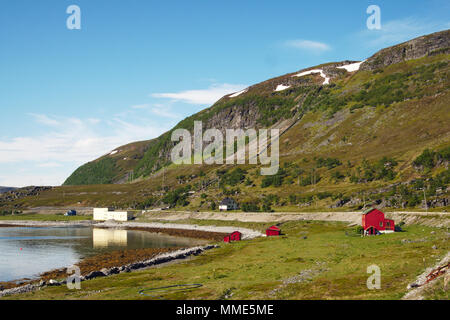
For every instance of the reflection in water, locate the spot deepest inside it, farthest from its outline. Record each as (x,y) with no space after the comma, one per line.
(103,238)
(27,252)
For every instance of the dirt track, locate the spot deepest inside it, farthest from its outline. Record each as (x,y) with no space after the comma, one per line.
(435,219)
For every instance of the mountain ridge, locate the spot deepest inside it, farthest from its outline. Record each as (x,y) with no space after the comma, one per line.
(262,105)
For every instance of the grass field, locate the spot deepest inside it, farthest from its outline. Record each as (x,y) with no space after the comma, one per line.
(312,260)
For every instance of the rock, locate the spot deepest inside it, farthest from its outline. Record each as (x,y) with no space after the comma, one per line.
(114,270)
(42,283)
(105,271)
(412,285)
(52,282)
(125,269)
(414,49)
(340,203)
(434,247)
(94,274)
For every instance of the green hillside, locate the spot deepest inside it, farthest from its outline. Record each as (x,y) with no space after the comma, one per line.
(378,134)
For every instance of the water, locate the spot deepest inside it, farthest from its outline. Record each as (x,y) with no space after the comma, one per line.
(27,252)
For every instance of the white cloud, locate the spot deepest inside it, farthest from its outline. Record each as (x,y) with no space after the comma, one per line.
(202,96)
(309,45)
(397,31)
(49,165)
(165,112)
(44,119)
(68,143)
(140,106)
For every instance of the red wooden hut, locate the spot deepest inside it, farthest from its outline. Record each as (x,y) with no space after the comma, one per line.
(273,231)
(374,222)
(235,236)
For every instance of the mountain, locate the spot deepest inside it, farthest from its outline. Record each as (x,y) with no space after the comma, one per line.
(396,100)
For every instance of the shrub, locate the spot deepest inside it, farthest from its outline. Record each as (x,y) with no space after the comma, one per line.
(359,230)
(330,163)
(233,177)
(250,207)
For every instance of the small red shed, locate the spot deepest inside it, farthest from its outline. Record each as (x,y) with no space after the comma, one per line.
(235,236)
(273,231)
(374,222)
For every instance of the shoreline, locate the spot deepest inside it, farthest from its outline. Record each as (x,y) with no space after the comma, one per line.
(157,260)
(246,232)
(133,257)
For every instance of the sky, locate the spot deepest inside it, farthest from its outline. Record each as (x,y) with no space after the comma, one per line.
(138,67)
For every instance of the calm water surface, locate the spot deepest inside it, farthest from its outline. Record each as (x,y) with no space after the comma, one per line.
(27,252)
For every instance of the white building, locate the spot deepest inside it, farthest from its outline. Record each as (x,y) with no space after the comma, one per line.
(103,214)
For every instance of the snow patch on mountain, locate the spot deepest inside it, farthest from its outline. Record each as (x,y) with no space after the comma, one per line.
(352,67)
(234,95)
(322,74)
(281,87)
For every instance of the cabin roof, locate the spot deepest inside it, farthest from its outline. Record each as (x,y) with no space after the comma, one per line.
(368,210)
(227,201)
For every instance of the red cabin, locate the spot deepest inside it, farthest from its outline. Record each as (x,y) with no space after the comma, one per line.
(273,231)
(235,236)
(374,222)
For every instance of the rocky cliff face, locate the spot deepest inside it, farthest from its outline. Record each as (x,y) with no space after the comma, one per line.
(330,92)
(428,45)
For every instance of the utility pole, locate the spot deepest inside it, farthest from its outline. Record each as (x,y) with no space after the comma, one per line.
(164,177)
(425,198)
(364,199)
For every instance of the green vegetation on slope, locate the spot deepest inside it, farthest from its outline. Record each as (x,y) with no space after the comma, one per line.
(97,172)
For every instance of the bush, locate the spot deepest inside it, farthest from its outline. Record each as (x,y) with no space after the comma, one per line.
(250,207)
(233,177)
(429,159)
(330,163)
(275,180)
(177,197)
(359,230)
(146,204)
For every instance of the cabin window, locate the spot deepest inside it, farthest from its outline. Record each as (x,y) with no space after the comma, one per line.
(388,224)
(381,224)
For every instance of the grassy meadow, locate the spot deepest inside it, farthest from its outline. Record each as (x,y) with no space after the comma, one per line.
(312,260)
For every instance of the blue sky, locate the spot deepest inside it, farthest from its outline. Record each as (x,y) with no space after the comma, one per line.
(138,67)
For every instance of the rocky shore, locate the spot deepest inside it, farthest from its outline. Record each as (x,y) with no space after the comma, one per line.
(124,260)
(104,272)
